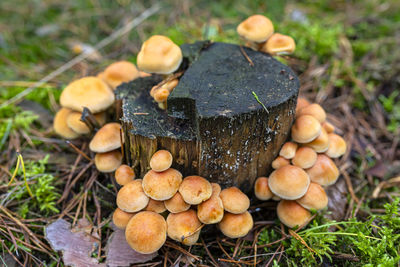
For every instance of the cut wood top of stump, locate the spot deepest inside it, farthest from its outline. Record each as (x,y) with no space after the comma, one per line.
(219,83)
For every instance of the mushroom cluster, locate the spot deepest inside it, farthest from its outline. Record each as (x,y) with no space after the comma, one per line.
(160,55)
(258,31)
(187,204)
(97,96)
(304,166)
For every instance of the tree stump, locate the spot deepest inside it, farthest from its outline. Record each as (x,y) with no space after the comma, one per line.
(214,126)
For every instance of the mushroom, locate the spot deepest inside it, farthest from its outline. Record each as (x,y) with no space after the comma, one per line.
(156,206)
(212,210)
(146,232)
(124,174)
(324,171)
(184,227)
(108,161)
(120,72)
(170,86)
(162,185)
(279,44)
(121,218)
(234,200)
(107,138)
(256,29)
(176,204)
(304,158)
(77,125)
(195,189)
(279,162)
(90,92)
(292,214)
(60,124)
(288,150)
(161,161)
(305,129)
(301,103)
(289,182)
(321,143)
(329,128)
(261,189)
(161,95)
(314,110)
(236,225)
(131,197)
(337,146)
(159,55)
(315,198)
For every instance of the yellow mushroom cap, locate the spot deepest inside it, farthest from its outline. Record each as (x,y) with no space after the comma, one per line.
(337,146)
(176,204)
(288,150)
(162,185)
(124,174)
(195,189)
(216,189)
(292,214)
(301,103)
(329,128)
(90,92)
(161,95)
(305,129)
(121,218)
(60,124)
(315,198)
(75,123)
(107,138)
(211,211)
(256,28)
(261,189)
(236,225)
(279,44)
(324,171)
(108,161)
(234,200)
(156,206)
(289,182)
(161,161)
(184,227)
(305,157)
(146,232)
(131,198)
(119,72)
(159,55)
(279,162)
(321,143)
(314,110)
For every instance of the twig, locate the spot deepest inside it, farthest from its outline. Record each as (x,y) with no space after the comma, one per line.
(78,150)
(208,252)
(246,56)
(106,41)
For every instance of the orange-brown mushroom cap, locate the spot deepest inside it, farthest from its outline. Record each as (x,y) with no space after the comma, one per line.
(108,161)
(314,110)
(261,189)
(176,204)
(236,225)
(161,161)
(305,157)
(321,143)
(162,185)
(256,28)
(159,55)
(289,182)
(156,206)
(234,200)
(292,214)
(288,150)
(305,129)
(279,44)
(146,232)
(324,171)
(107,138)
(212,210)
(279,162)
(124,174)
(121,218)
(329,127)
(119,72)
(315,198)
(184,227)
(90,92)
(337,146)
(195,189)
(60,124)
(301,103)
(131,197)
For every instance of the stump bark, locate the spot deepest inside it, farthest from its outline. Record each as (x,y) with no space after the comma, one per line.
(214,126)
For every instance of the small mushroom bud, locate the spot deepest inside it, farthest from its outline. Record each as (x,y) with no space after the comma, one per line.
(195,189)
(261,189)
(131,197)
(212,210)
(305,129)
(288,150)
(289,182)
(236,225)
(301,103)
(124,174)
(120,72)
(321,143)
(337,146)
(121,218)
(279,162)
(108,161)
(279,44)
(176,204)
(161,95)
(305,157)
(156,206)
(107,138)
(184,227)
(315,198)
(329,128)
(292,214)
(234,200)
(256,28)
(314,110)
(60,124)
(161,161)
